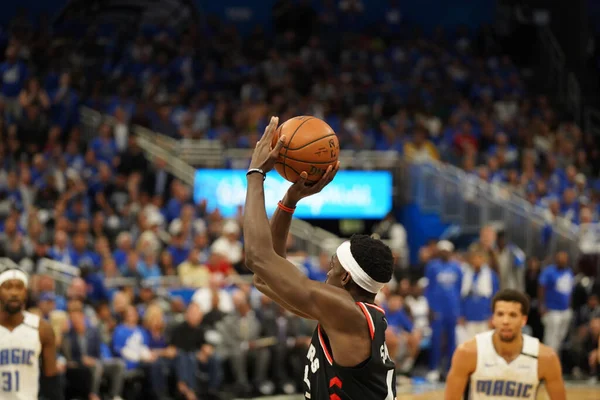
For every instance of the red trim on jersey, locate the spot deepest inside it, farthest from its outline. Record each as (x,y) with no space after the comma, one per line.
(375,307)
(334,397)
(335,381)
(369,319)
(327,355)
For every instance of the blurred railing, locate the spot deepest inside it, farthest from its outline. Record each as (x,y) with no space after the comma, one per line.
(458,197)
(470,203)
(206,153)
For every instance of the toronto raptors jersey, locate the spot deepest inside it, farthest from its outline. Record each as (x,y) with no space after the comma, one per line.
(496,379)
(374,379)
(19,360)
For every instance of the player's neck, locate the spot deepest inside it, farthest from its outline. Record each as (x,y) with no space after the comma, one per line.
(508,350)
(11,320)
(362,298)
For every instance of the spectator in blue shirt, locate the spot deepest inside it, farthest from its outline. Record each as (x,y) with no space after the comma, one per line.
(401,333)
(130,342)
(444,281)
(480,283)
(554,293)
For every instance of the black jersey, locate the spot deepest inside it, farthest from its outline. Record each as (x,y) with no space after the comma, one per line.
(373,379)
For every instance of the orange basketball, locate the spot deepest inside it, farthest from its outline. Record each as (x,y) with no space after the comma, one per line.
(310,145)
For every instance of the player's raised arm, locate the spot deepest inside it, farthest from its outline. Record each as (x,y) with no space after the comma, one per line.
(50,385)
(550,371)
(464,363)
(281,221)
(311,298)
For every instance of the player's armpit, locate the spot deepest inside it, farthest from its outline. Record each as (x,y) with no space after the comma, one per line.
(464,363)
(550,372)
(330,305)
(267,291)
(48,348)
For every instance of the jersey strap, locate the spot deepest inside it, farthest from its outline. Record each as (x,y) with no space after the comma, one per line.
(369,319)
(324,346)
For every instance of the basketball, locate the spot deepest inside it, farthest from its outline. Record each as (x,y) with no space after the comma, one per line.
(310,145)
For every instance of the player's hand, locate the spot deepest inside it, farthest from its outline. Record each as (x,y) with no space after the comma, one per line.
(302,189)
(264,157)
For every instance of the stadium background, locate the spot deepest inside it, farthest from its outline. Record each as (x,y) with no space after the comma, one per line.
(482,115)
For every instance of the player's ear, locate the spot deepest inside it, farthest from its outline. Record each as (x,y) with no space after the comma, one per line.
(346,278)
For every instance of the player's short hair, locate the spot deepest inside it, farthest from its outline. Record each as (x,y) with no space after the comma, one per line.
(373,256)
(514,296)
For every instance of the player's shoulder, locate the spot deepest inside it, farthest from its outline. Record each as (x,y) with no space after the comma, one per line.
(31,320)
(548,363)
(46,332)
(465,356)
(546,354)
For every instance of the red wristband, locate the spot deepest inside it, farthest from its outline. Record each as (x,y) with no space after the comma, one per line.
(288,210)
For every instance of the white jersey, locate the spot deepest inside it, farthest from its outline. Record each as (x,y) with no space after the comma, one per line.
(496,379)
(19,360)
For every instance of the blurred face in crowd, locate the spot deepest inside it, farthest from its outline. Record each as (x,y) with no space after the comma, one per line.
(78,288)
(533,264)
(240,302)
(10,226)
(569,195)
(562,259)
(194,257)
(79,242)
(13,294)
(395,302)
(78,321)
(154,318)
(477,260)
(132,260)
(60,239)
(146,294)
(592,301)
(487,237)
(201,241)
(103,312)
(131,316)
(47,306)
(508,320)
(416,289)
(120,302)
(193,315)
(444,254)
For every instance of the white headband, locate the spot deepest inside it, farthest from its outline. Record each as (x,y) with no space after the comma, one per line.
(13,274)
(359,276)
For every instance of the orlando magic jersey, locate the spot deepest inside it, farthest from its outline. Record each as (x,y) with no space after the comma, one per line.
(19,360)
(374,379)
(495,378)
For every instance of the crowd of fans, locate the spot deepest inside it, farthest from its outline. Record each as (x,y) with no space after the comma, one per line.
(127,224)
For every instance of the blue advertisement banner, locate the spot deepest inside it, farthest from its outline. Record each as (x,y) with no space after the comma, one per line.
(352,194)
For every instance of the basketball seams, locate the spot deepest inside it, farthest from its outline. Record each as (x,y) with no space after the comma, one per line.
(309,143)
(290,141)
(294,169)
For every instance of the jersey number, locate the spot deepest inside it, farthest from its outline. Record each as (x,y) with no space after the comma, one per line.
(10,381)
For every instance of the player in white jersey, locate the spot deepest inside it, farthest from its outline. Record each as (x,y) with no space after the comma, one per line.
(504,363)
(23,338)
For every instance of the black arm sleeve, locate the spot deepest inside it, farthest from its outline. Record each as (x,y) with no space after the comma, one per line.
(50,388)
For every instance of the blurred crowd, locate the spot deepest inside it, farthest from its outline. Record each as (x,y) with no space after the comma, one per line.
(446,299)
(160,306)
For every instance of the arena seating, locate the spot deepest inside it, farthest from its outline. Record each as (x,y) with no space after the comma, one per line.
(113,234)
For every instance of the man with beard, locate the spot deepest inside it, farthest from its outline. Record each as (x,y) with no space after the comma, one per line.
(504,363)
(23,338)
